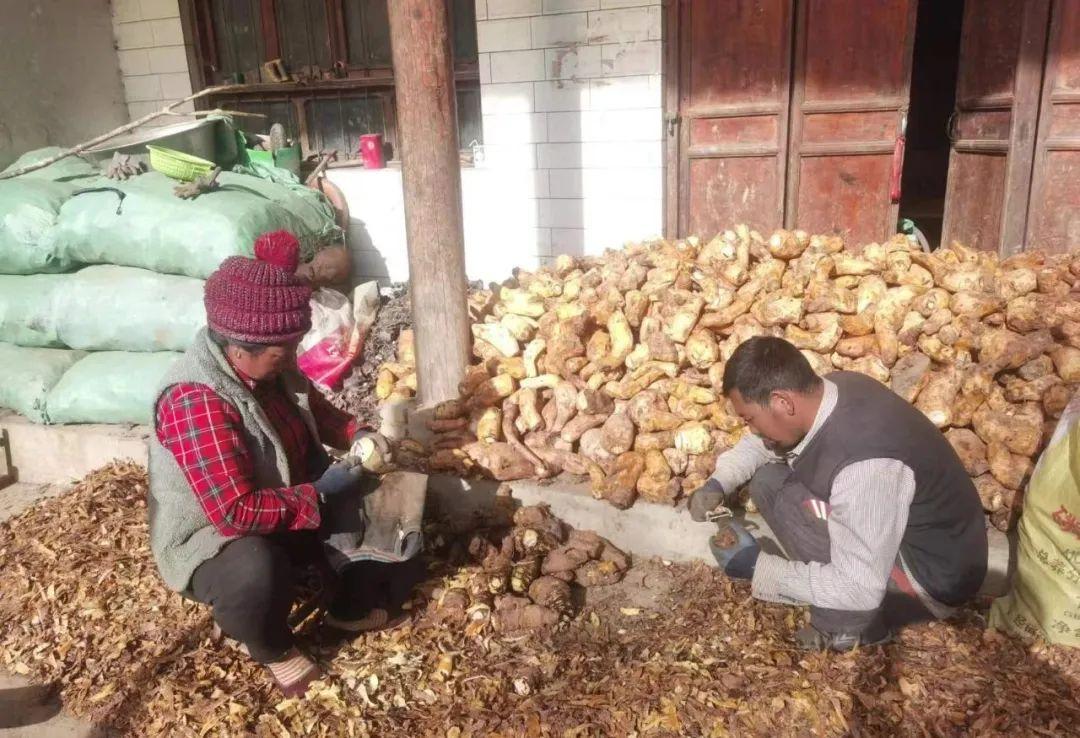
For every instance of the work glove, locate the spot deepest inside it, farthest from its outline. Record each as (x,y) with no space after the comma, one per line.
(705,499)
(735,550)
(338,478)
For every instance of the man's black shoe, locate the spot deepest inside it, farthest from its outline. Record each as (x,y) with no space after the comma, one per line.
(809,638)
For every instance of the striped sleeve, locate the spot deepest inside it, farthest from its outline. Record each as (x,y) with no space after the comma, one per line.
(735,466)
(869,503)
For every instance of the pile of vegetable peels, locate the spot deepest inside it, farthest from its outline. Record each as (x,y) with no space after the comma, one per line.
(83,607)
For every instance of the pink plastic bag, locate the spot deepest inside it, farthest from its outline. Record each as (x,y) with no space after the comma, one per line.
(337,334)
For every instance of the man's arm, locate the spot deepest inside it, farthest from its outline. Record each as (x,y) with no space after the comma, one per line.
(735,466)
(203,433)
(870,501)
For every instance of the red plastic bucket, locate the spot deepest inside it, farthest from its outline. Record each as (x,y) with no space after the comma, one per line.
(371,151)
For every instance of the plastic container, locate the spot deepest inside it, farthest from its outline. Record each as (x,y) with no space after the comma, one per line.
(371,151)
(286,158)
(177,164)
(210,138)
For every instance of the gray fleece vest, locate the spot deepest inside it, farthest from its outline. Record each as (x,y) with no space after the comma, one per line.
(945,543)
(181,536)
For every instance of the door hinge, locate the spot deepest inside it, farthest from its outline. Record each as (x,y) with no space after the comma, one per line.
(672,124)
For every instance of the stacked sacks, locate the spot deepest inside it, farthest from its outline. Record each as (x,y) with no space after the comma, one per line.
(142,301)
(133,321)
(29,210)
(611,366)
(141,223)
(101,308)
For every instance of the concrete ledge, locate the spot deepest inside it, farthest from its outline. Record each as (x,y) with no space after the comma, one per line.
(57,454)
(44,455)
(646,529)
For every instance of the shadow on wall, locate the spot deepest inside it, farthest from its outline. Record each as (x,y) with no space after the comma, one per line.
(366,262)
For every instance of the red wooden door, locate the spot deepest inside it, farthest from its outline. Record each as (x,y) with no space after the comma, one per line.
(993,127)
(1053,222)
(734,70)
(849,98)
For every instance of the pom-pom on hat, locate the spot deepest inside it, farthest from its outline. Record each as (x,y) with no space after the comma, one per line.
(260,300)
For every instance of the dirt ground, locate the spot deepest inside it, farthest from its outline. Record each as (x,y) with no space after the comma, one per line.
(671,650)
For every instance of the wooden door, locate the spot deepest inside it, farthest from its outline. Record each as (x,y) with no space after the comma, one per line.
(728,143)
(849,99)
(993,127)
(1053,222)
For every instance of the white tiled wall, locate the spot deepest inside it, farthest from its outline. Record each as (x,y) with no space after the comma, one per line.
(153,57)
(572,89)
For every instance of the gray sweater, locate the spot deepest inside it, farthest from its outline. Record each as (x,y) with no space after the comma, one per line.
(181,536)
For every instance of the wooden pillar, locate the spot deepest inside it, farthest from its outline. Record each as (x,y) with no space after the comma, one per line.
(431,179)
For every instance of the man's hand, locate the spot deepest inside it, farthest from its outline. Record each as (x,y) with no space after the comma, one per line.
(735,550)
(339,477)
(705,499)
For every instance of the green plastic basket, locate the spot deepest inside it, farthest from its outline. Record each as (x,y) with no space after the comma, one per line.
(177,164)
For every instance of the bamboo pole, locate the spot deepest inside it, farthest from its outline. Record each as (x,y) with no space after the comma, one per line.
(80,148)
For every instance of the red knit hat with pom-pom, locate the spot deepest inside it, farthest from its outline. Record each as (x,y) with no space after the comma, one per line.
(260,300)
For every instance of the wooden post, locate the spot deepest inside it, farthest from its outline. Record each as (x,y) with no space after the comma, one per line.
(431,180)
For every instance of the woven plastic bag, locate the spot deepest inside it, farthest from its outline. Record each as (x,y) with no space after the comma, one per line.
(109,387)
(1044,600)
(337,334)
(141,223)
(28,374)
(112,308)
(29,208)
(27,313)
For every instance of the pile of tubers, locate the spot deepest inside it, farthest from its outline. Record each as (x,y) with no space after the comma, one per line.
(523,579)
(610,367)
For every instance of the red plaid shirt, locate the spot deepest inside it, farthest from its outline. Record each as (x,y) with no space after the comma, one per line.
(204,434)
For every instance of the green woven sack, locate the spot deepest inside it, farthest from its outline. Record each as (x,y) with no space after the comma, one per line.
(28,374)
(141,223)
(109,387)
(1044,599)
(29,209)
(27,315)
(112,308)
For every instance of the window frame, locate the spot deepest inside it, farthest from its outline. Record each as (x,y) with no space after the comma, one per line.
(198,20)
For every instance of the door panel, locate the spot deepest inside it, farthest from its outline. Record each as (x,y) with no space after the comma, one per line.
(752,129)
(833,193)
(1054,213)
(734,61)
(980,176)
(725,191)
(852,76)
(993,127)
